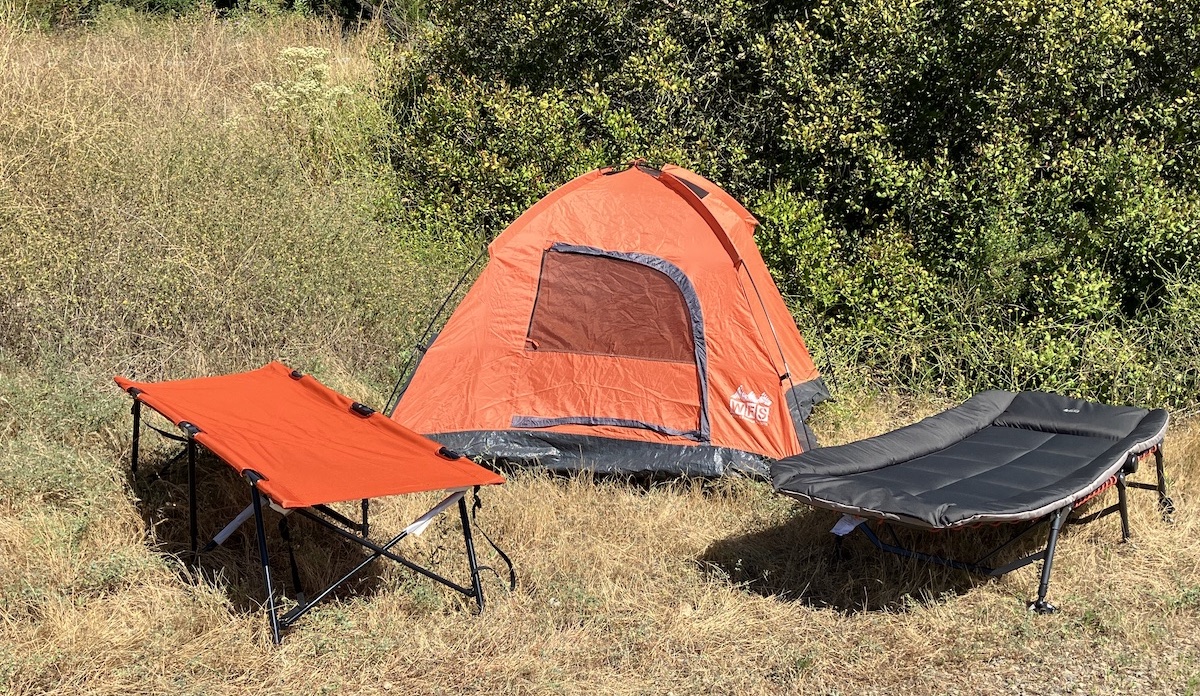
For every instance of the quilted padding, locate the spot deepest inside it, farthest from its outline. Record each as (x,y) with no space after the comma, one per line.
(1017,467)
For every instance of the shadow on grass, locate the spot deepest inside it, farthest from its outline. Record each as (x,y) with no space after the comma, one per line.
(637,484)
(799,560)
(321,556)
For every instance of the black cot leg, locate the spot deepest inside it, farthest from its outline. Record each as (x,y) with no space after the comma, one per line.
(379,552)
(137,434)
(366,506)
(472,561)
(1040,605)
(191,457)
(1165,505)
(1123,505)
(256,500)
(286,533)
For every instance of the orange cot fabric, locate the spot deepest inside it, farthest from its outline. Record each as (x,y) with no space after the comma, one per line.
(304,439)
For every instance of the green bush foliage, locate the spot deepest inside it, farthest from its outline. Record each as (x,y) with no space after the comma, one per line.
(955,195)
(47,14)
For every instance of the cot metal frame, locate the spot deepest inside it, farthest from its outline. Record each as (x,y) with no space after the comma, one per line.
(1057,520)
(323,515)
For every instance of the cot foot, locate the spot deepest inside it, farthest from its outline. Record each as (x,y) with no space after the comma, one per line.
(1041,606)
(840,553)
(1166,507)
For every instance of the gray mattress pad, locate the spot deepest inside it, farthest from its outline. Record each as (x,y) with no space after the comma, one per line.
(998,457)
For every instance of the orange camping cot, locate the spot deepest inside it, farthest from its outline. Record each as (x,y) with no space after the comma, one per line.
(303,446)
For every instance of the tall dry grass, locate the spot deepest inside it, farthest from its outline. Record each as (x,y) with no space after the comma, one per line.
(159,213)
(181,197)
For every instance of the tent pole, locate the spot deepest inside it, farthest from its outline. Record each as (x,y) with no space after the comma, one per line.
(404,378)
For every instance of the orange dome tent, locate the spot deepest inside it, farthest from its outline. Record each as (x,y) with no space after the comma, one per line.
(624,323)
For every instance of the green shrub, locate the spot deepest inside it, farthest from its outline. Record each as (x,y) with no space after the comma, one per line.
(48,14)
(954,195)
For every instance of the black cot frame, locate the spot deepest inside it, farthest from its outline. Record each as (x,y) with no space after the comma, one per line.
(1057,520)
(327,517)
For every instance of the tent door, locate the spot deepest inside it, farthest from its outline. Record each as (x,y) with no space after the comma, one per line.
(603,322)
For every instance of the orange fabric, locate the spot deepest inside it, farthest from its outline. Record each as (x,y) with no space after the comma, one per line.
(771,310)
(302,437)
(481,371)
(553,381)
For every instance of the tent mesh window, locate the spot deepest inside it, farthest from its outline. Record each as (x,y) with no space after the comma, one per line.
(599,305)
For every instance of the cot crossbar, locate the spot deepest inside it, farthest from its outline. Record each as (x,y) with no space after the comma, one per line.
(323,515)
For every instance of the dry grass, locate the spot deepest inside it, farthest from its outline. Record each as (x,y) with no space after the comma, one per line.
(188,197)
(137,164)
(684,588)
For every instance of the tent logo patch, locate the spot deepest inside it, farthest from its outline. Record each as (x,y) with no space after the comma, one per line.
(749,406)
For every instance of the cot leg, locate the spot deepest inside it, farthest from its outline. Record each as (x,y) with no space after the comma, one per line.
(191,456)
(1165,505)
(1123,505)
(472,561)
(839,550)
(256,500)
(137,434)
(286,533)
(366,505)
(1040,605)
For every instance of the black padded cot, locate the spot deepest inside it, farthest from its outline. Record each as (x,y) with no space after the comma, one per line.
(1000,457)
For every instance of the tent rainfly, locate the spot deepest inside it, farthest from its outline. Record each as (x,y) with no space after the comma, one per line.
(626,323)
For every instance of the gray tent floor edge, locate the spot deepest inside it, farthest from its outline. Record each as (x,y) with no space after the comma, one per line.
(567,452)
